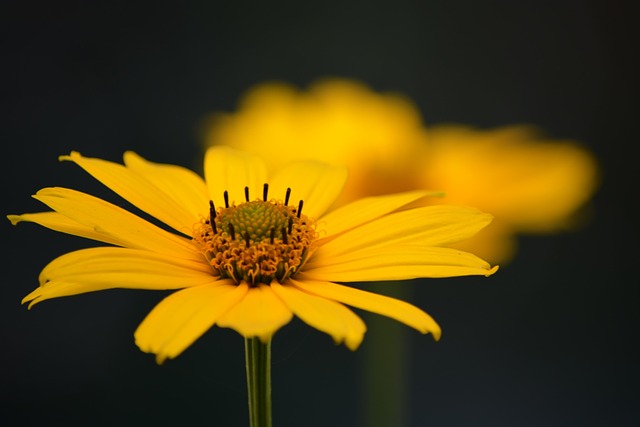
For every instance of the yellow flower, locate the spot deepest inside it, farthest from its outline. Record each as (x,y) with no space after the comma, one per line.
(337,122)
(529,184)
(248,251)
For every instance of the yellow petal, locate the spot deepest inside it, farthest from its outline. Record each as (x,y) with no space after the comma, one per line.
(110,259)
(58,222)
(142,193)
(97,269)
(425,226)
(260,314)
(226,169)
(182,185)
(182,317)
(399,310)
(365,210)
(325,315)
(317,184)
(110,220)
(399,262)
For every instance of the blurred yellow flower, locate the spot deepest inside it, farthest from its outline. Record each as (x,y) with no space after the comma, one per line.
(529,184)
(248,250)
(532,185)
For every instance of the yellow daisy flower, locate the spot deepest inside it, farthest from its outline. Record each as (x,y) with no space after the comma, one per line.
(529,183)
(247,251)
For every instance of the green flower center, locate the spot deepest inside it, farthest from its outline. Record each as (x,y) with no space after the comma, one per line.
(256,241)
(255,219)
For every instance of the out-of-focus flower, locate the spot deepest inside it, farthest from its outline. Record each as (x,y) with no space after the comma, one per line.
(241,255)
(529,183)
(337,122)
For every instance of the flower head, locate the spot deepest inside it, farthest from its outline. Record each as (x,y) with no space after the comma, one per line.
(247,251)
(529,183)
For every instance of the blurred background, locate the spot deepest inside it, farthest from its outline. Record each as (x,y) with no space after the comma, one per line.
(548,340)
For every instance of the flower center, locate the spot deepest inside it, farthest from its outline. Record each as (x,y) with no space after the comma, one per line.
(256,241)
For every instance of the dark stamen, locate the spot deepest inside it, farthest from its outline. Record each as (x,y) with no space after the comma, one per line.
(232,232)
(226,199)
(273,235)
(246,193)
(265,191)
(246,238)
(212,216)
(286,198)
(290,224)
(212,210)
(284,235)
(299,208)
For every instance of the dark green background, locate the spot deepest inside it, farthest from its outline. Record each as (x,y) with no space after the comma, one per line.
(549,340)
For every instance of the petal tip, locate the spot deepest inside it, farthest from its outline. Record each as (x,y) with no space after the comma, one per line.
(492,271)
(32,297)
(15,219)
(31,302)
(69,157)
(353,343)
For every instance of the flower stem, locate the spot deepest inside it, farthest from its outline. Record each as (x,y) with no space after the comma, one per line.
(386,359)
(258,359)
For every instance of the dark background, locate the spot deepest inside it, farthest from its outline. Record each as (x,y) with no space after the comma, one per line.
(549,340)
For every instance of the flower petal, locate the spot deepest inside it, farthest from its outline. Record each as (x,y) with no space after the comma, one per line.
(182,185)
(96,269)
(110,259)
(226,169)
(398,262)
(424,226)
(317,184)
(59,222)
(114,222)
(260,314)
(182,317)
(365,210)
(325,315)
(142,193)
(399,310)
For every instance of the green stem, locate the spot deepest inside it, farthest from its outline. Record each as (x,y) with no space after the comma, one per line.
(258,358)
(386,359)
